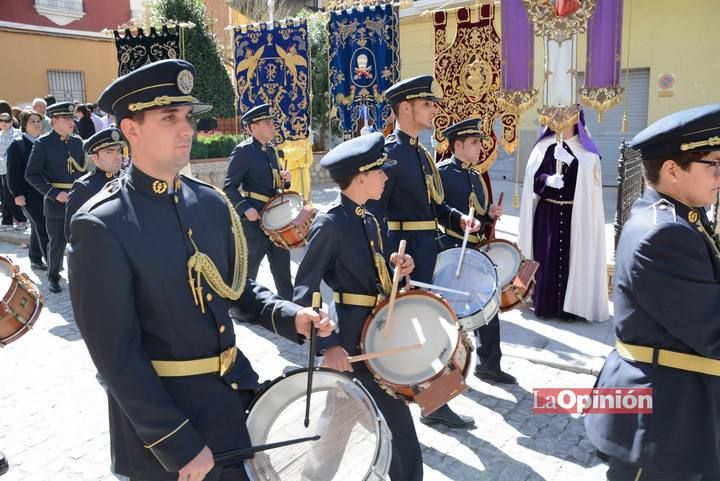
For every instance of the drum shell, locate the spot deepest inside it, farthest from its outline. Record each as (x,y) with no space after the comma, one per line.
(20,305)
(509,299)
(521,286)
(293,234)
(459,362)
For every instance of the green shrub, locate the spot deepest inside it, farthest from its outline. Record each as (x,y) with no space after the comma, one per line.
(214,146)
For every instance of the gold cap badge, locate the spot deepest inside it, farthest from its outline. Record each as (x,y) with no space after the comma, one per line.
(115,135)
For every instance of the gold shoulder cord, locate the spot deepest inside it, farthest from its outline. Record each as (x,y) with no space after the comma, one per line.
(202,266)
(474,202)
(433,181)
(380,264)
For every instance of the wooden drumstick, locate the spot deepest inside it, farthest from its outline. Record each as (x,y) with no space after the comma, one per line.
(491,235)
(316,304)
(464,242)
(393,291)
(389,352)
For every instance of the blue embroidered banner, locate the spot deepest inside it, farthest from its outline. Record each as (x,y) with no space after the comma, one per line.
(271,66)
(364,62)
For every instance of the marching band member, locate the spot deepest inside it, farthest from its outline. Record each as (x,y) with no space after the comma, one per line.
(156,264)
(413,203)
(345,249)
(253,178)
(667,310)
(55,162)
(105,149)
(464,187)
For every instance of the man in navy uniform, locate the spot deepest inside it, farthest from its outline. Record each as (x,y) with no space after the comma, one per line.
(667,310)
(253,178)
(55,162)
(156,262)
(464,187)
(105,149)
(413,202)
(345,249)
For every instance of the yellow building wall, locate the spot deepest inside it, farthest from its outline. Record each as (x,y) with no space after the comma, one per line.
(27,57)
(665,36)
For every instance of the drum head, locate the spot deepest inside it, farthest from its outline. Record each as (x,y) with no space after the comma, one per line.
(354,438)
(477,276)
(282,210)
(506,258)
(6,276)
(417,318)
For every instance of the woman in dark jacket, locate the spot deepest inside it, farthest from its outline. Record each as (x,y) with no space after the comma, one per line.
(25,195)
(83,122)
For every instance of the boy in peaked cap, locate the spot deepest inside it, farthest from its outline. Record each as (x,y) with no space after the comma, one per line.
(667,310)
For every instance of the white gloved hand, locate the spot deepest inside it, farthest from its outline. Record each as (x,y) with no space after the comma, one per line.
(562,154)
(555,181)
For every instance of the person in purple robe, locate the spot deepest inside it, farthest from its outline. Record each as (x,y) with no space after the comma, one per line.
(562,226)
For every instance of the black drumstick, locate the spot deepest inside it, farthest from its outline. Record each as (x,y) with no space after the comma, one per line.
(316,303)
(230,457)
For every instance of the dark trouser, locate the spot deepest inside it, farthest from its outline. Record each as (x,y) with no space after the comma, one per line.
(38,235)
(259,246)
(10,210)
(487,339)
(622,471)
(56,247)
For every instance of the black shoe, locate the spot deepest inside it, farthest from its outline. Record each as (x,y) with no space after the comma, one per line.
(4,466)
(41,266)
(448,418)
(495,376)
(54,286)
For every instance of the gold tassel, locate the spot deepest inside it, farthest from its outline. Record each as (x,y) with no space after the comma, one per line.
(624,127)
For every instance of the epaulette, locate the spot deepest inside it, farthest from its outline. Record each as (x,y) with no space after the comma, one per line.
(332,205)
(108,191)
(245,142)
(663,211)
(391,139)
(198,181)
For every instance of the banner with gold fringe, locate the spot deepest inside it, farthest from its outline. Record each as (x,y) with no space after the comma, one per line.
(271,66)
(136,48)
(468,71)
(364,62)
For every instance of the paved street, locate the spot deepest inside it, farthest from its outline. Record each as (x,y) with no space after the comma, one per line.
(53,415)
(53,418)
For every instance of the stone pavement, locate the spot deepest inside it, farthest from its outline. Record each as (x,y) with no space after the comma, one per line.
(53,414)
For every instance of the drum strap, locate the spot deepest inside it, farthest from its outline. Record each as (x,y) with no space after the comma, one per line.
(666,358)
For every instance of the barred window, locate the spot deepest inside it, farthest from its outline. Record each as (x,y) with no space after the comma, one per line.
(66,85)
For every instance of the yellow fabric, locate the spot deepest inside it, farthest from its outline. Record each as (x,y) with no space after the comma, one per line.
(298,159)
(208,365)
(61,185)
(675,360)
(362,300)
(411,225)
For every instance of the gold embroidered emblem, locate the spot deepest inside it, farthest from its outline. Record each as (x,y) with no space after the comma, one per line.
(693,216)
(360,210)
(108,175)
(413,141)
(159,186)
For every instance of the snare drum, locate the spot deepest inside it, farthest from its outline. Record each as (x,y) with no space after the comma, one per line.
(21,302)
(429,376)
(478,277)
(286,220)
(355,442)
(515,274)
